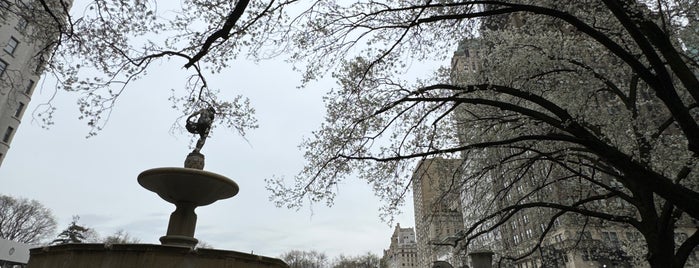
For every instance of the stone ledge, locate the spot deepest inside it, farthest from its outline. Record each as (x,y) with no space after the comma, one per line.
(143,255)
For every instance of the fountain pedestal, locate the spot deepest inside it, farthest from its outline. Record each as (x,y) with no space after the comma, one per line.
(187,189)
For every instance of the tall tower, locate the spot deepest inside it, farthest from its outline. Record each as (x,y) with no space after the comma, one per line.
(402,253)
(437,204)
(22,38)
(568,240)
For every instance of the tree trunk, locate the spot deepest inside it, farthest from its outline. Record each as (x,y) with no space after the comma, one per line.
(661,248)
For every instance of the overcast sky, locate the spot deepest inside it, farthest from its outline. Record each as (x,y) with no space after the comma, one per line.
(95,178)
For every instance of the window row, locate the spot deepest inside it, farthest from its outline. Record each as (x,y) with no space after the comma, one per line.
(30,85)
(8,132)
(5,6)
(4,64)
(11,47)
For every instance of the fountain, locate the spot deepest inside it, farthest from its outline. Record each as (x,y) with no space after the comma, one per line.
(187,188)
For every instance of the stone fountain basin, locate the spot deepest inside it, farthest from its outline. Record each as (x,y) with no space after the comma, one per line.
(194,186)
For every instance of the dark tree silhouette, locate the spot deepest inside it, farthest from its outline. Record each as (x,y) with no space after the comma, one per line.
(74,233)
(25,221)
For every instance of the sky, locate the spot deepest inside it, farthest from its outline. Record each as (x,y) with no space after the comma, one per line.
(95,177)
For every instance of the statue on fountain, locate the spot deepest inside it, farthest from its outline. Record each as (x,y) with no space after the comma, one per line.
(201,125)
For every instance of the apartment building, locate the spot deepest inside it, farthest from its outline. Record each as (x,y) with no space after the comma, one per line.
(402,252)
(565,239)
(23,39)
(437,202)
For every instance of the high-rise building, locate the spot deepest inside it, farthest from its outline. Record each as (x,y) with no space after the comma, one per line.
(570,241)
(567,239)
(23,40)
(402,253)
(437,202)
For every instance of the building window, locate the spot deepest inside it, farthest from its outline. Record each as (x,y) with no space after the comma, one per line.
(20,108)
(29,88)
(558,238)
(634,236)
(8,134)
(3,66)
(610,237)
(11,46)
(22,24)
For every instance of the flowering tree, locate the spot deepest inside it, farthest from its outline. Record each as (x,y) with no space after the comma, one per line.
(98,51)
(596,97)
(603,93)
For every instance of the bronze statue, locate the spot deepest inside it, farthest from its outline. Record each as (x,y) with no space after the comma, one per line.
(201,126)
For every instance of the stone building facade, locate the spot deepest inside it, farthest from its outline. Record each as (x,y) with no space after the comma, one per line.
(437,206)
(570,241)
(402,253)
(22,39)
(567,240)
